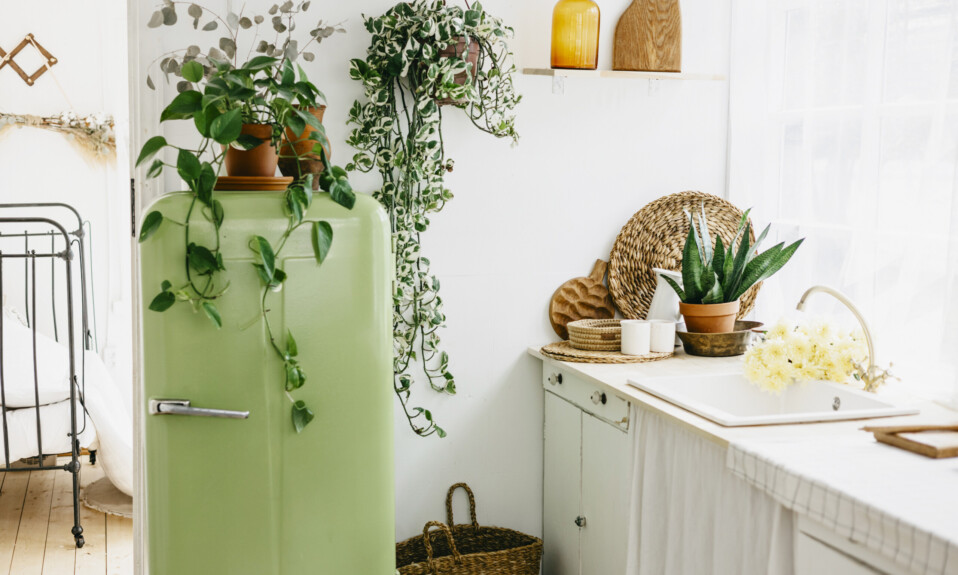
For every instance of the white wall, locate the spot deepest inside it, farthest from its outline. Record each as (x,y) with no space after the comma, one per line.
(523,221)
(88,37)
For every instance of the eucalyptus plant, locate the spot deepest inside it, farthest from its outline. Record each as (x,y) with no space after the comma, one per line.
(722,273)
(408,71)
(275,38)
(267,87)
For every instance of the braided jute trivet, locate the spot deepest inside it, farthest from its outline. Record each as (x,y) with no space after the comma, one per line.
(655,237)
(564,351)
(595,334)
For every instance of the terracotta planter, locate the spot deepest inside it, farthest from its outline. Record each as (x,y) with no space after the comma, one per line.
(260,162)
(299,145)
(710,318)
(456,51)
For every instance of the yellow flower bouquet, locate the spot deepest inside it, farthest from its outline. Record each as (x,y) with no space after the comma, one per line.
(801,352)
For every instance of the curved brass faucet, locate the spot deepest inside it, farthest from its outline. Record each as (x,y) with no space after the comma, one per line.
(873,376)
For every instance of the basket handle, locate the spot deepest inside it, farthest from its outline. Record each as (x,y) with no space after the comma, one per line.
(472,505)
(452,545)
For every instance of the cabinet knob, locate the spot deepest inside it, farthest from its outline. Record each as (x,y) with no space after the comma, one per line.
(598,397)
(555,378)
(580,521)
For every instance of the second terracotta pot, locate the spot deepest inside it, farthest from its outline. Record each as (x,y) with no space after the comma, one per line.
(261,161)
(710,318)
(300,146)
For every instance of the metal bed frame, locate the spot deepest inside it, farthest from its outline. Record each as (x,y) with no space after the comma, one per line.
(63,247)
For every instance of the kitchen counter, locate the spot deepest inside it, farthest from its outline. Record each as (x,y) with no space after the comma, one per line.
(901,505)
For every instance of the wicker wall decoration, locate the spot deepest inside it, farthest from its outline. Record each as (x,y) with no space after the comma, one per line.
(6,59)
(654,238)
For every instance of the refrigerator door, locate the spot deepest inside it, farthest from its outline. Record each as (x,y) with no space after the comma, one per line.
(251,496)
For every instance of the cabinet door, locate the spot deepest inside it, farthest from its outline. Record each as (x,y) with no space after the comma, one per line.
(561,483)
(606,469)
(812,557)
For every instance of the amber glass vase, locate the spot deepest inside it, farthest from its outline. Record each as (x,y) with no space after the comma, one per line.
(575,35)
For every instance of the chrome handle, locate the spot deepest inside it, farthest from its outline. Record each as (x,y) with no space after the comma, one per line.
(182,407)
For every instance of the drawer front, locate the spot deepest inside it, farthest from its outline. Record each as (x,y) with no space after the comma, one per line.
(587,396)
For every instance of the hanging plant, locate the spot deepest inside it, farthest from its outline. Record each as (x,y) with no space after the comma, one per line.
(268,91)
(424,55)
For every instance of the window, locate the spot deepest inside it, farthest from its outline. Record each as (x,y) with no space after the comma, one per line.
(844,130)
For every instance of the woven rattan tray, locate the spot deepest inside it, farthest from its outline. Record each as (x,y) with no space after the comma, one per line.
(564,351)
(654,238)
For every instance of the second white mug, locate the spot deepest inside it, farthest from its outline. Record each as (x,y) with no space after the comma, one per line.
(636,337)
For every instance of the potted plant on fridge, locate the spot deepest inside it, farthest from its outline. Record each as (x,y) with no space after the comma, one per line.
(424,55)
(715,277)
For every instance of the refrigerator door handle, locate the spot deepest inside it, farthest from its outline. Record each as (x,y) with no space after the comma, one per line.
(182,407)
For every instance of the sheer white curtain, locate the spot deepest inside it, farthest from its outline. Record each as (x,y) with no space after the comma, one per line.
(844,130)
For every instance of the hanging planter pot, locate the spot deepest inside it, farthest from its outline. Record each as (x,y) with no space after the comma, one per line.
(463,46)
(296,157)
(260,161)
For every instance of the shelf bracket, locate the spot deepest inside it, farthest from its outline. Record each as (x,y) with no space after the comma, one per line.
(558,85)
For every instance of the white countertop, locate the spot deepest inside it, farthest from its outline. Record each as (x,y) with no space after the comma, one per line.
(899,504)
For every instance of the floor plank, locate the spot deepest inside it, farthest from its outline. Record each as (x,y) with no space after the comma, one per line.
(12,494)
(91,559)
(60,555)
(32,535)
(119,547)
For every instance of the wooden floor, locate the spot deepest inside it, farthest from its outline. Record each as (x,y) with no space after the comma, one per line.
(36,515)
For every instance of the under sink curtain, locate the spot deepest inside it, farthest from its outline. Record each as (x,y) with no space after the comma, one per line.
(843,128)
(689,514)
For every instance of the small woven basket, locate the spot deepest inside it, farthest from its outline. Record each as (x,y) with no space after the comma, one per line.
(468,549)
(595,334)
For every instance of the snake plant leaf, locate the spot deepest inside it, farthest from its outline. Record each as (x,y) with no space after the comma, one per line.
(760,239)
(780,257)
(692,269)
(706,242)
(715,294)
(675,285)
(302,415)
(738,264)
(213,314)
(718,259)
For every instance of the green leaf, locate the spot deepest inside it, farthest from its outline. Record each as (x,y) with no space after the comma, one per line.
(266,254)
(156,168)
(192,71)
(188,166)
(166,285)
(295,378)
(206,183)
(715,294)
(675,285)
(260,63)
(248,142)
(217,212)
(440,432)
(718,259)
(291,348)
(151,223)
(706,239)
(183,106)
(150,148)
(692,269)
(308,118)
(734,279)
(302,415)
(322,240)
(296,125)
(202,259)
(765,265)
(213,314)
(342,193)
(227,127)
(163,301)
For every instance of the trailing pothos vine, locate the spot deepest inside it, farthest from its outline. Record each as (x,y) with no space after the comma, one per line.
(410,70)
(220,97)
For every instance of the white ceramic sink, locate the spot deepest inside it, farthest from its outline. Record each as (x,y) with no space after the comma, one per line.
(732,401)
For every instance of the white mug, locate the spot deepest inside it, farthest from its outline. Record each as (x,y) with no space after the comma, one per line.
(636,337)
(663,336)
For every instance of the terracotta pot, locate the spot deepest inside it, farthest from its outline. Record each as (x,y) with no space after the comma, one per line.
(710,318)
(456,51)
(299,145)
(260,161)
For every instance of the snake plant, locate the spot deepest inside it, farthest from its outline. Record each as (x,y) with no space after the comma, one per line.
(723,273)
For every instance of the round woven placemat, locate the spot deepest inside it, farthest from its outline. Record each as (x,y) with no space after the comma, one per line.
(564,351)
(654,238)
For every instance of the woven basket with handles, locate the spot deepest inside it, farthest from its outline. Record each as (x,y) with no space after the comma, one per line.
(468,549)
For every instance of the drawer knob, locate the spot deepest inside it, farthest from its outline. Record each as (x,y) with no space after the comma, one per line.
(580,521)
(555,378)
(598,397)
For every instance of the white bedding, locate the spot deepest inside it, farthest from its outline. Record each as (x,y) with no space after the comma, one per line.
(109,427)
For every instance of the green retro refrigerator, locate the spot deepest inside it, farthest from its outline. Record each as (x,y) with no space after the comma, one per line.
(231,492)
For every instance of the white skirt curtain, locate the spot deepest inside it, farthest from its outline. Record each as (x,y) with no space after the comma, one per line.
(691,515)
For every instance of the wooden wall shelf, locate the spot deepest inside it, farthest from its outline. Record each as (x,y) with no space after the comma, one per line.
(621,74)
